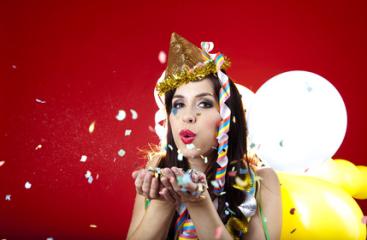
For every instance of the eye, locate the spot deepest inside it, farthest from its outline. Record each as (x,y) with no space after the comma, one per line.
(177,105)
(206,104)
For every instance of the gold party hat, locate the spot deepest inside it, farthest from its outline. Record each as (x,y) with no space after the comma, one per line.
(186,63)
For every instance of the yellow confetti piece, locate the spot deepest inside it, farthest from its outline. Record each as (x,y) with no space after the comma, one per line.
(238,187)
(91,127)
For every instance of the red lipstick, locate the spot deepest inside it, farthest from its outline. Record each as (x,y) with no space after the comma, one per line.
(187,136)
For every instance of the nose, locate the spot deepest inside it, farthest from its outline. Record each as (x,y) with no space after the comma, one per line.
(189,117)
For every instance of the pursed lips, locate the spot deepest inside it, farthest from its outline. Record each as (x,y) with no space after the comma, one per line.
(187,136)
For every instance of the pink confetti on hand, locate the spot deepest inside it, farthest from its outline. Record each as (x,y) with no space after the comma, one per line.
(162,56)
(218,232)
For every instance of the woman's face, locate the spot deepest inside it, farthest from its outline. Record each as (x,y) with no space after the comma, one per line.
(195,118)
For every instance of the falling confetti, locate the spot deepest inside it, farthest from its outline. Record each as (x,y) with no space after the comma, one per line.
(218,232)
(293,230)
(83,158)
(7,197)
(2,163)
(134,114)
(190,146)
(39,146)
(180,155)
(27,185)
(50,238)
(90,180)
(88,174)
(128,132)
(40,101)
(170,147)
(121,115)
(215,184)
(162,56)
(121,152)
(234,119)
(14,66)
(91,127)
(93,226)
(292,211)
(364,219)
(97,176)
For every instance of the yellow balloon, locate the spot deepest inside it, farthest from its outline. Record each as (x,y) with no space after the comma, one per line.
(341,172)
(362,190)
(316,209)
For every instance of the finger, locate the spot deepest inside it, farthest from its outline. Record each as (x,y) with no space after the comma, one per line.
(146,185)
(191,187)
(135,174)
(139,182)
(166,195)
(153,193)
(174,184)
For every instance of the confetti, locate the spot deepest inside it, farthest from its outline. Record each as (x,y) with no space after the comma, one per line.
(134,114)
(2,163)
(128,132)
(218,232)
(39,146)
(92,225)
(14,66)
(121,115)
(27,185)
(293,230)
(91,127)
(252,145)
(97,176)
(215,184)
(232,173)
(170,147)
(281,143)
(50,238)
(7,197)
(234,119)
(83,158)
(190,146)
(121,152)
(162,56)
(205,160)
(88,174)
(180,155)
(292,211)
(364,219)
(243,170)
(40,101)
(90,179)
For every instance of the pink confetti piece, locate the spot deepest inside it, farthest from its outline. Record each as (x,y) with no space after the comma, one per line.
(39,146)
(218,232)
(27,185)
(40,101)
(2,163)
(162,57)
(83,158)
(97,176)
(92,225)
(92,126)
(364,219)
(13,66)
(151,129)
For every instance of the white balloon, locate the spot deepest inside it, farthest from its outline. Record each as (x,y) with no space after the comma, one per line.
(297,121)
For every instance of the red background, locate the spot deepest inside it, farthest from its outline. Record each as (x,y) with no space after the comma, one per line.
(88,60)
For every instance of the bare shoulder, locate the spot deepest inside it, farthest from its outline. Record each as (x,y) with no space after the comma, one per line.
(269,179)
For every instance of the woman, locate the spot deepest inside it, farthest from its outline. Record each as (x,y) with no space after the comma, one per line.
(204,186)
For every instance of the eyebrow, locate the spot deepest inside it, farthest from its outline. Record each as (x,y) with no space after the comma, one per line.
(197,96)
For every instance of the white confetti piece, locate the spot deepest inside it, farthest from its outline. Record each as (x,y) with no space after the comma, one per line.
(27,185)
(121,115)
(92,126)
(206,160)
(170,147)
(162,56)
(90,179)
(121,152)
(50,238)
(39,146)
(92,225)
(180,157)
(134,114)
(2,163)
(40,101)
(88,174)
(128,132)
(190,146)
(7,197)
(215,184)
(83,158)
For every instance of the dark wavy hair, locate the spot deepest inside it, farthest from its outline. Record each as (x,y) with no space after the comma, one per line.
(237,150)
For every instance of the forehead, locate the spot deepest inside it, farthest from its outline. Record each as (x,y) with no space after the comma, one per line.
(197,87)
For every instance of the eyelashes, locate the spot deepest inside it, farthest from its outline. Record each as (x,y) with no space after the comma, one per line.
(205,104)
